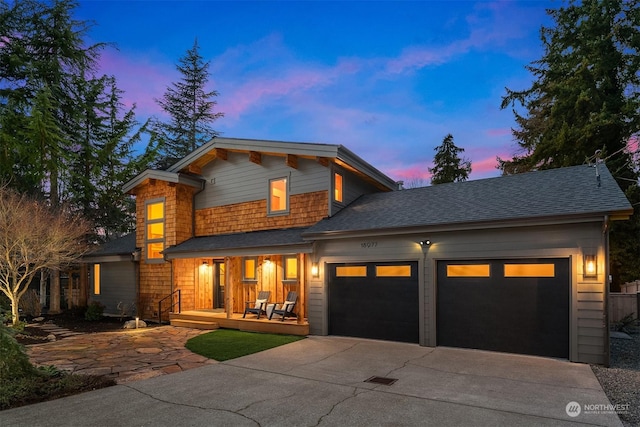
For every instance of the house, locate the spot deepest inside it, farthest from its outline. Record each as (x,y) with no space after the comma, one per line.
(113,275)
(226,222)
(516,264)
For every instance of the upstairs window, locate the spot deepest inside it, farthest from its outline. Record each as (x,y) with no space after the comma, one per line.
(278,201)
(337,187)
(154,230)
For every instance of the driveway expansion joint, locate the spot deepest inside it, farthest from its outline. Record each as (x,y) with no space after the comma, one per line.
(187,405)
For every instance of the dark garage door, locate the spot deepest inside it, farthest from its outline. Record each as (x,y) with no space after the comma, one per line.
(374,300)
(515,306)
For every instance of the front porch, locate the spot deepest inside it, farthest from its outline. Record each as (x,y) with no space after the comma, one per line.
(214,319)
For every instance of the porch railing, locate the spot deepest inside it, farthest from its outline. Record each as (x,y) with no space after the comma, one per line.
(172,304)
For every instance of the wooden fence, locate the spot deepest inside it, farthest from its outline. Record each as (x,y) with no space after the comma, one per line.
(620,305)
(630,287)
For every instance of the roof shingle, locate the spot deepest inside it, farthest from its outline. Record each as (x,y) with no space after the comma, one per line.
(549,193)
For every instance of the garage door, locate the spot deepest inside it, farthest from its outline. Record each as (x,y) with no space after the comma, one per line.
(515,306)
(374,300)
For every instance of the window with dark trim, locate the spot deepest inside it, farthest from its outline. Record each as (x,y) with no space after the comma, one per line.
(278,201)
(155,230)
(250,269)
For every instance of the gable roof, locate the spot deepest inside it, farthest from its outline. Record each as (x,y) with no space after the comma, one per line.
(279,241)
(162,176)
(317,151)
(120,249)
(548,195)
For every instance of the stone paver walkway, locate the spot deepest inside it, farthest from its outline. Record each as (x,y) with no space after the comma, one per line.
(127,355)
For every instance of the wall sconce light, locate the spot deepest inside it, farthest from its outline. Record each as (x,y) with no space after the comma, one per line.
(205,262)
(590,267)
(267,260)
(315,270)
(425,243)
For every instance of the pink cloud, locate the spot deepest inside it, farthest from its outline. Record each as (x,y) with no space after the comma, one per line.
(141,80)
(235,101)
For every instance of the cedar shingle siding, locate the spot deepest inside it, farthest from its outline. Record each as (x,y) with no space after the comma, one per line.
(304,210)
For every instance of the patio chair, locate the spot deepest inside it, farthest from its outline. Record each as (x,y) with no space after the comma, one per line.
(258,306)
(285,309)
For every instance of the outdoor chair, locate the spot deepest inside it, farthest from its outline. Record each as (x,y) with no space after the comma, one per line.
(285,309)
(259,305)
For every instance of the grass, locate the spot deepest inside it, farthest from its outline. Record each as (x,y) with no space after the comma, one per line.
(225,344)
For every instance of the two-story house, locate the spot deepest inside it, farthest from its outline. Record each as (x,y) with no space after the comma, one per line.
(226,222)
(516,263)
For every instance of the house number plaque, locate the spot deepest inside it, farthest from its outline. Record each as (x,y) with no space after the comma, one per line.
(368,245)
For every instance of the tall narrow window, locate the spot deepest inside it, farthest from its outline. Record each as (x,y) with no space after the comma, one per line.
(96,279)
(155,234)
(278,196)
(337,187)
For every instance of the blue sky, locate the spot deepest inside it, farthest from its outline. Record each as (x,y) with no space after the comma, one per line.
(389,80)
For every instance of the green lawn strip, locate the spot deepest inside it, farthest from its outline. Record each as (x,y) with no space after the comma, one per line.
(225,344)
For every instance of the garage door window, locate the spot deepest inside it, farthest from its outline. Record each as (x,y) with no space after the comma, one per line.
(393,271)
(351,271)
(529,270)
(468,270)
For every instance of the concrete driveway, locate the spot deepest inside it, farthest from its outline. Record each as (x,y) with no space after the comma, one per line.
(320,381)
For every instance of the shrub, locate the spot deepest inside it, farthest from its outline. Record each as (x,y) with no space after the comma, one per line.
(14,362)
(627,321)
(30,304)
(94,311)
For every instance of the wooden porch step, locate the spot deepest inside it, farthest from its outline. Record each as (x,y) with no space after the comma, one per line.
(195,324)
(193,315)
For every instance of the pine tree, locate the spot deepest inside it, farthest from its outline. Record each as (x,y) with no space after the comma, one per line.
(586,93)
(190,108)
(447,165)
(586,97)
(60,125)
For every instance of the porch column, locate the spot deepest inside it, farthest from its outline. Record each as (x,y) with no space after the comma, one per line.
(84,285)
(301,291)
(229,279)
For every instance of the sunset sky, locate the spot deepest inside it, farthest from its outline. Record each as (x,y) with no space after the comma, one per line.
(389,80)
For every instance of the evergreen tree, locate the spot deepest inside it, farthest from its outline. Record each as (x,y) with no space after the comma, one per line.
(118,163)
(61,126)
(190,108)
(586,93)
(447,165)
(586,97)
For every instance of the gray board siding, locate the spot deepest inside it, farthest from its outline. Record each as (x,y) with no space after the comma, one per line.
(238,180)
(587,327)
(117,285)
(353,187)
(551,193)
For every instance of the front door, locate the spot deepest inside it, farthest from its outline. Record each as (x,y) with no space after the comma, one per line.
(210,286)
(218,284)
